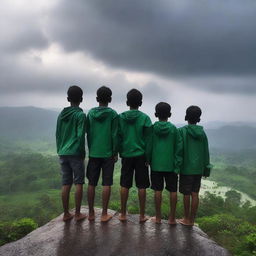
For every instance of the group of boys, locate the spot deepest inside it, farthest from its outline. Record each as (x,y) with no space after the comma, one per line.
(168,151)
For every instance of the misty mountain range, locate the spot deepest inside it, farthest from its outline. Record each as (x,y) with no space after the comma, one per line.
(30,124)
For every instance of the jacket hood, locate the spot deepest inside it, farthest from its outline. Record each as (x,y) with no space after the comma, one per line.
(130,116)
(100,113)
(68,112)
(162,128)
(195,131)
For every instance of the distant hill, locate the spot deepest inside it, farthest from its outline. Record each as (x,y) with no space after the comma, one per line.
(27,123)
(232,137)
(36,124)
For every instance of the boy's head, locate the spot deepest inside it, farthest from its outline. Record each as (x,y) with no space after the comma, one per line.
(104,95)
(75,94)
(163,111)
(193,114)
(134,98)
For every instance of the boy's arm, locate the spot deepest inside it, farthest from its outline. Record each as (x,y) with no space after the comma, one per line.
(208,166)
(178,158)
(57,132)
(119,135)
(87,129)
(149,144)
(81,126)
(114,134)
(147,134)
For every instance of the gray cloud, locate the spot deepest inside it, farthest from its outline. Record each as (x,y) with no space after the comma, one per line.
(21,29)
(209,45)
(168,37)
(23,79)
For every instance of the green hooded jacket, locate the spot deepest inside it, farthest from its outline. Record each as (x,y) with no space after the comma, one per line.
(196,158)
(101,128)
(70,132)
(165,148)
(134,132)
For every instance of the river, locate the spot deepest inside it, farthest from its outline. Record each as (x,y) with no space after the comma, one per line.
(214,188)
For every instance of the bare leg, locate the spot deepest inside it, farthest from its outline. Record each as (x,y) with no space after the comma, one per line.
(78,200)
(105,199)
(65,202)
(186,219)
(142,200)
(90,199)
(173,203)
(124,192)
(194,207)
(158,203)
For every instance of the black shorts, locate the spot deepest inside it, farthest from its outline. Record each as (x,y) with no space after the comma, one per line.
(137,164)
(189,184)
(72,169)
(95,165)
(158,178)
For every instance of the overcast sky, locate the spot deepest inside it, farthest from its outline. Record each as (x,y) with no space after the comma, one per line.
(185,52)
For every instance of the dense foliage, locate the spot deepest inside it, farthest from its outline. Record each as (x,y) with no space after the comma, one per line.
(30,188)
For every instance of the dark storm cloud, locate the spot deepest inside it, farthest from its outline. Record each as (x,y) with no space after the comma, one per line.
(21,30)
(23,79)
(235,85)
(168,37)
(210,45)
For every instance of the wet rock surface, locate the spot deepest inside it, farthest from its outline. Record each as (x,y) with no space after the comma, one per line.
(113,238)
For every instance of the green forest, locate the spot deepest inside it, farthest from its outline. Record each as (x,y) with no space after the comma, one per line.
(30,197)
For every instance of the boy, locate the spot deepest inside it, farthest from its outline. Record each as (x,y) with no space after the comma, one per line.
(70,140)
(165,160)
(102,126)
(134,128)
(195,163)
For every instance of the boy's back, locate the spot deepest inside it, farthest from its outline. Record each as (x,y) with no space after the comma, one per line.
(102,123)
(165,147)
(134,127)
(70,142)
(195,150)
(70,132)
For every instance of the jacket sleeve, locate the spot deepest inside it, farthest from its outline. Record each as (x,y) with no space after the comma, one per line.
(119,135)
(57,133)
(148,138)
(87,130)
(208,166)
(149,144)
(178,157)
(81,126)
(114,134)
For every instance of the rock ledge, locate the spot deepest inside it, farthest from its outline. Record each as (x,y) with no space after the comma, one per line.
(113,238)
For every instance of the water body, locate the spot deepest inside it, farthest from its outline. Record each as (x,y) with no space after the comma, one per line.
(214,188)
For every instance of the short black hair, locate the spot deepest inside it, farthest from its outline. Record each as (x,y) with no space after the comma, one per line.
(193,114)
(104,94)
(75,94)
(134,98)
(163,110)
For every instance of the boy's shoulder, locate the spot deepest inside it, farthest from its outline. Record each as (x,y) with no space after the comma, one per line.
(132,116)
(67,112)
(194,130)
(163,127)
(102,111)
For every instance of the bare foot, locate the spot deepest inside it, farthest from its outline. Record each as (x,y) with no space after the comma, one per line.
(106,218)
(155,220)
(67,216)
(91,216)
(80,216)
(143,219)
(185,222)
(122,217)
(172,221)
